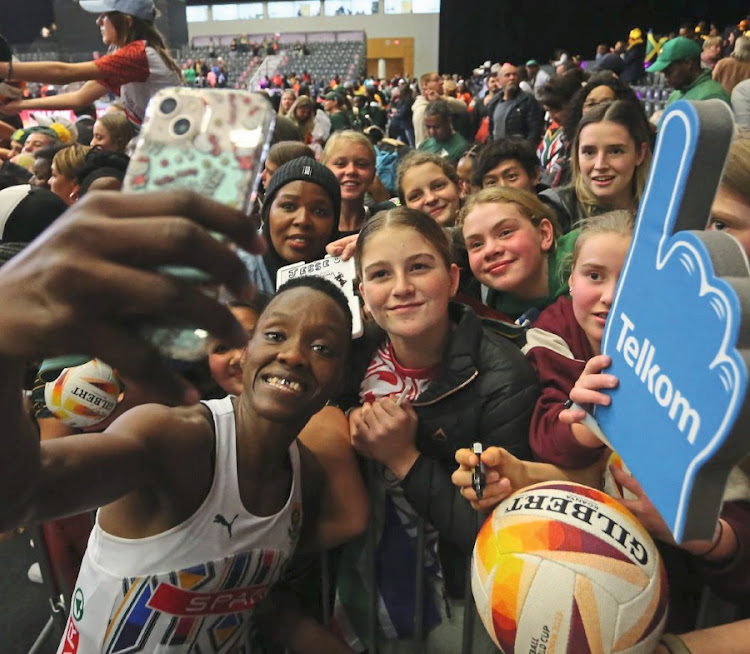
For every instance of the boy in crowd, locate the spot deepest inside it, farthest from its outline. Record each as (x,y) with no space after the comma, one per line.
(508,162)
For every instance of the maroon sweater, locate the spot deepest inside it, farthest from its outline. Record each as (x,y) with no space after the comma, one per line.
(557,349)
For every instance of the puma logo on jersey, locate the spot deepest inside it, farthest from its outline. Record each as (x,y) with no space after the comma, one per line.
(221,520)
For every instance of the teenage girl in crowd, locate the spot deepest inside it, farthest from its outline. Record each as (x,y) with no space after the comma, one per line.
(569,332)
(137,66)
(300,216)
(112,132)
(515,250)
(350,156)
(610,158)
(224,360)
(285,103)
(302,114)
(731,208)
(429,183)
(430,379)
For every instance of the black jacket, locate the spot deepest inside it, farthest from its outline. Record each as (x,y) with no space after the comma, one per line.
(485,391)
(525,118)
(565,203)
(569,211)
(633,63)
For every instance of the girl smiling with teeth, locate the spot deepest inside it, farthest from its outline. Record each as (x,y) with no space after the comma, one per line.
(514,249)
(611,155)
(350,156)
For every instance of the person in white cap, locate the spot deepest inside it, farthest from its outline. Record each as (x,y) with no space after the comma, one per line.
(137,65)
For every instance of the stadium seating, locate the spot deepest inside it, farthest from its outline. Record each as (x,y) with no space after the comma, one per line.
(653,92)
(326,60)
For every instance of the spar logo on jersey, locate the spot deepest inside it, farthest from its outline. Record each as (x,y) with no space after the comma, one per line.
(187,604)
(70,642)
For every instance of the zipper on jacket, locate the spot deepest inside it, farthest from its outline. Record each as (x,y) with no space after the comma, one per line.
(450,392)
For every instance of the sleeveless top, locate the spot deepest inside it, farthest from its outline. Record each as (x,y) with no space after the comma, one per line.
(193,587)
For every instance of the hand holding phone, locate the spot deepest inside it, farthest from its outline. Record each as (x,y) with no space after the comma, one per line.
(214,142)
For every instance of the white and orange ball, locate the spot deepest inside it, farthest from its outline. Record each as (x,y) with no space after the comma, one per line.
(84,395)
(559,567)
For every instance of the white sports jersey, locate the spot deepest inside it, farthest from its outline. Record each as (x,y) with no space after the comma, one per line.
(191,588)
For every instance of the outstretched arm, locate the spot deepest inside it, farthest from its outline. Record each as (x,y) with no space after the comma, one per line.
(66,476)
(51,72)
(79,99)
(506,474)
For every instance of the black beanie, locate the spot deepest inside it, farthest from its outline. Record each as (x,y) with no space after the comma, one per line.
(307,170)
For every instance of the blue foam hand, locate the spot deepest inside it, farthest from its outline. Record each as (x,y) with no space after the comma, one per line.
(674,331)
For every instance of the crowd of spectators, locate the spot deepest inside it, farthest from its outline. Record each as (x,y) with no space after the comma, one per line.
(460,196)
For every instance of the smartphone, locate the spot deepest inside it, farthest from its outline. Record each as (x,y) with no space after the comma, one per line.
(214,142)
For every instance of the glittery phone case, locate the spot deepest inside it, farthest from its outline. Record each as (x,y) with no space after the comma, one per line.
(212,141)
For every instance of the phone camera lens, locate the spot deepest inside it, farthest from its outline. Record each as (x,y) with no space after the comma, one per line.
(181,126)
(168,105)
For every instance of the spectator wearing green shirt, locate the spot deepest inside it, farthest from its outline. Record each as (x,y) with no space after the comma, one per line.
(680,59)
(335,106)
(188,72)
(442,139)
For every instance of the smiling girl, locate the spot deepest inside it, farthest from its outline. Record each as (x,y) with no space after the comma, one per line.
(112,132)
(224,360)
(610,159)
(429,183)
(569,333)
(350,156)
(431,379)
(515,250)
